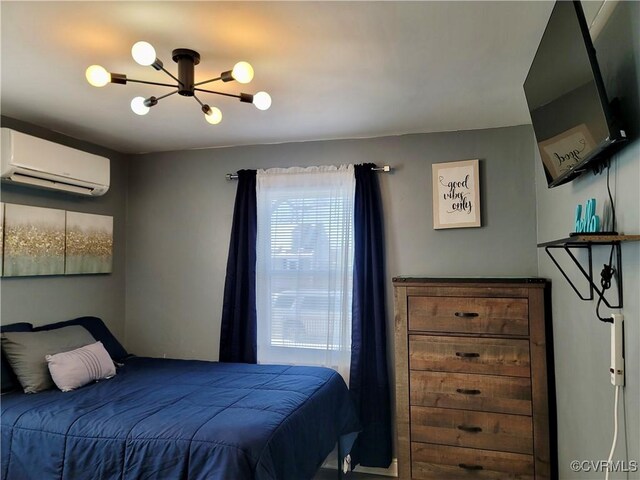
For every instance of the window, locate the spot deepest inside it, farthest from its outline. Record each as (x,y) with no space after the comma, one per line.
(304,271)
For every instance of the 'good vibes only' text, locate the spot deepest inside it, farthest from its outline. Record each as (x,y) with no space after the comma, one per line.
(458,192)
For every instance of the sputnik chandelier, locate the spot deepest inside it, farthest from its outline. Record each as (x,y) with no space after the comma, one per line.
(144,54)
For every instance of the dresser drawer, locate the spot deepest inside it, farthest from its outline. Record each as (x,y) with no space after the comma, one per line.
(488,393)
(508,316)
(440,462)
(466,428)
(469,355)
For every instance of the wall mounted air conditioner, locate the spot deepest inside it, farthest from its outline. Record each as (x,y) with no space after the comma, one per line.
(39,163)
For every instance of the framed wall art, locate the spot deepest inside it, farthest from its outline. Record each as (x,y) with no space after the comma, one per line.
(456,194)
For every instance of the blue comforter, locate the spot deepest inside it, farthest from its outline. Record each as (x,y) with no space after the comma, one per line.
(178,419)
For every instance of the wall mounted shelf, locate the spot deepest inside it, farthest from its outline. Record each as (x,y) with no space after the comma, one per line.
(586,242)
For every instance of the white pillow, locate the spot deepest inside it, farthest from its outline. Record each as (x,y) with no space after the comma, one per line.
(76,368)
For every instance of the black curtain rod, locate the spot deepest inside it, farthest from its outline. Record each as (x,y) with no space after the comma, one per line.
(384,168)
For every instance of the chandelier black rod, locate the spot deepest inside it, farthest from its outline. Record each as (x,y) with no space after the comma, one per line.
(218,93)
(167,95)
(171,75)
(207,81)
(198,100)
(151,83)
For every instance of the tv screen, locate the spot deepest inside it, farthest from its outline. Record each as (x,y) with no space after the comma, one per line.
(566,98)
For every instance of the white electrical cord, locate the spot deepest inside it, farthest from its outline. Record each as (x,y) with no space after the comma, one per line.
(615,431)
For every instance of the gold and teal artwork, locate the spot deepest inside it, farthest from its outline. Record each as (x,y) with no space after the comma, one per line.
(89,243)
(1,236)
(34,241)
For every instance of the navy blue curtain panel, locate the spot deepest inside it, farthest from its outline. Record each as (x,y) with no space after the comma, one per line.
(238,330)
(369,379)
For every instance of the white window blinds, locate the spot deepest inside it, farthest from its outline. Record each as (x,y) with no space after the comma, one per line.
(304,270)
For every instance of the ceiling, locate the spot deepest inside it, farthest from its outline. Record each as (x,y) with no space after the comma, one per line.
(333,69)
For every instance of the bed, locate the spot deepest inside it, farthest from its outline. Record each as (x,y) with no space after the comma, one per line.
(179,419)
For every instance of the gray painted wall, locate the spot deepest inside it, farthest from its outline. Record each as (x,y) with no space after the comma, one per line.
(42,300)
(180,208)
(584,392)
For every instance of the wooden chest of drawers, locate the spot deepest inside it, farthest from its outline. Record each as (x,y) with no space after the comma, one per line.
(472,379)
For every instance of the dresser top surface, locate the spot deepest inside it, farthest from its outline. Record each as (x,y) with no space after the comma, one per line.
(402,280)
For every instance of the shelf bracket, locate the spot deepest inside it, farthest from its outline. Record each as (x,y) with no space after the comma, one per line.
(588,272)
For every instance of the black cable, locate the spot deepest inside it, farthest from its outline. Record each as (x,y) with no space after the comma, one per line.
(613,208)
(608,271)
(605,282)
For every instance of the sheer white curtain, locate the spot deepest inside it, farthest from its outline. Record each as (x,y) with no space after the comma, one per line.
(304,266)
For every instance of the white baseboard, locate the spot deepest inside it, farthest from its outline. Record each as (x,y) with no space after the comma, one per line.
(332,464)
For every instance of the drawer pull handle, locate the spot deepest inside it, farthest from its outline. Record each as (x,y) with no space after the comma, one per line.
(465,428)
(467,354)
(466,314)
(470,467)
(466,391)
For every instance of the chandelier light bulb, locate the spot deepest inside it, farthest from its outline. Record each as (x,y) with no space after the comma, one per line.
(143,53)
(213,116)
(242,72)
(138,106)
(97,76)
(262,100)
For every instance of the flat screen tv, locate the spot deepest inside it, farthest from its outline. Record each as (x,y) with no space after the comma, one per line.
(571,115)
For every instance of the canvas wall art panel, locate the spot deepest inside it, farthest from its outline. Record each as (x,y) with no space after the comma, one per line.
(33,241)
(1,237)
(89,243)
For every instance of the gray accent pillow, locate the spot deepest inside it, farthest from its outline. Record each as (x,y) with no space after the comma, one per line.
(26,353)
(78,367)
